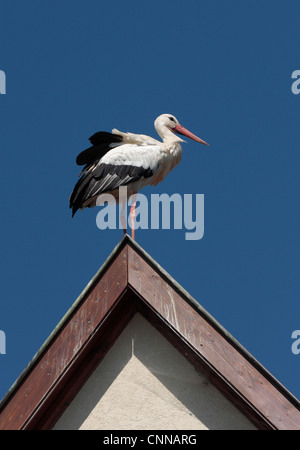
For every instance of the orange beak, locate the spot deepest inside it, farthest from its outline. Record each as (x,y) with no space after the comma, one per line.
(181,130)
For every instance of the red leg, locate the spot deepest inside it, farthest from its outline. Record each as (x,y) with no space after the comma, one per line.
(123,215)
(132,215)
(123,221)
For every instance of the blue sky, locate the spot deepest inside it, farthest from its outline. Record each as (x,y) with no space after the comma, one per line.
(224,70)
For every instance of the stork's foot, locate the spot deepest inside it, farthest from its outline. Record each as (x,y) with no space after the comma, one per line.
(124,224)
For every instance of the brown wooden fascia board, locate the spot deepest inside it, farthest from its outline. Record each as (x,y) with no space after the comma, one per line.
(100,343)
(229,367)
(68,344)
(129,281)
(204,366)
(194,304)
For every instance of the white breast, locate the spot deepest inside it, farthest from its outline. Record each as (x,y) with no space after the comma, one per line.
(171,157)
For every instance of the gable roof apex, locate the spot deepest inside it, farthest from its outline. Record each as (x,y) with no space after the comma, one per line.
(131,281)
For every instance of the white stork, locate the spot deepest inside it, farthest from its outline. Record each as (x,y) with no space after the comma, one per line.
(126,159)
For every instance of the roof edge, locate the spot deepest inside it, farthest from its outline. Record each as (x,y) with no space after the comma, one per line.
(64,319)
(196,305)
(126,239)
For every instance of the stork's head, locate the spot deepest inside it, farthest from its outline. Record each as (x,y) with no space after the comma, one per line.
(169,122)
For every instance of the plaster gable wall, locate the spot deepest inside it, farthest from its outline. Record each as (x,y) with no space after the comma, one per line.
(145,383)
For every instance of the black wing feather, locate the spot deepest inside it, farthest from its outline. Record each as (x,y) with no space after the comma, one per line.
(102,142)
(105,178)
(104,137)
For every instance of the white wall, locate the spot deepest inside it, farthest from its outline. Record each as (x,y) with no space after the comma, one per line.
(145,383)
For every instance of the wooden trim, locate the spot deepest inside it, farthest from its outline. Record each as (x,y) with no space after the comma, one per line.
(204,367)
(102,340)
(128,283)
(209,350)
(56,363)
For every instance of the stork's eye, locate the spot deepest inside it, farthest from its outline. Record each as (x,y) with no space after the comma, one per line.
(172,118)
